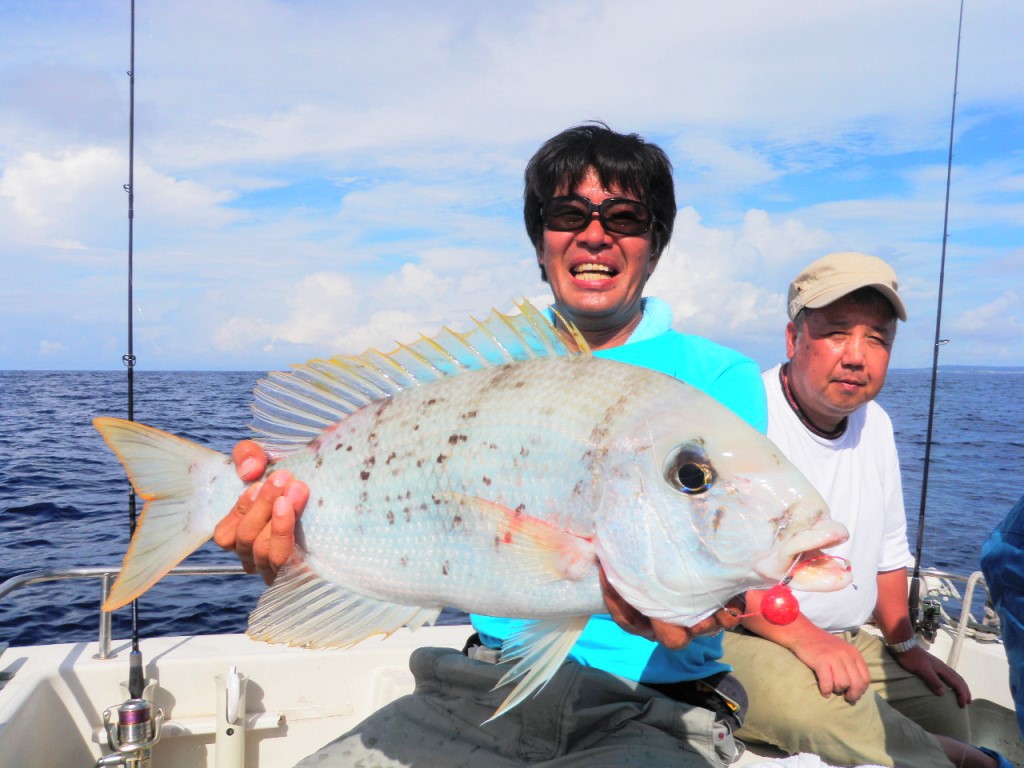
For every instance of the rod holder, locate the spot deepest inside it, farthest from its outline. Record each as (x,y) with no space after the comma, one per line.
(231,719)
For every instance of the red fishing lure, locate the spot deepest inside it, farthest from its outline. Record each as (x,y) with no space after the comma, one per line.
(779,605)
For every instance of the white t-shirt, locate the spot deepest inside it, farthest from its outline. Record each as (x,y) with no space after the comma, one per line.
(858,475)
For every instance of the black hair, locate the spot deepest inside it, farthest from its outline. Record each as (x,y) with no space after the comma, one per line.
(640,169)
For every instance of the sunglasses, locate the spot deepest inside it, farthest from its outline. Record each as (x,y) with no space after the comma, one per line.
(572,213)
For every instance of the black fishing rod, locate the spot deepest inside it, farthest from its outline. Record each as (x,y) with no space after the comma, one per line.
(915,581)
(136,678)
(132,728)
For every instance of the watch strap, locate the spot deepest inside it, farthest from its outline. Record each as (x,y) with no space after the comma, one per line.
(903,647)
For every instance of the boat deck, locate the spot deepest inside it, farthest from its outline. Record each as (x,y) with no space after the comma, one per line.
(295,699)
(53,697)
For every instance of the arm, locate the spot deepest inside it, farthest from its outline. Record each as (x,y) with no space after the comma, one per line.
(893,619)
(838,666)
(260,528)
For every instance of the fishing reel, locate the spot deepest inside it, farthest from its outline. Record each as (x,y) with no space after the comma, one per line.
(133,735)
(929,619)
(925,612)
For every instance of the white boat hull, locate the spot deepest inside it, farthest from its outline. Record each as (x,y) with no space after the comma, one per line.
(51,708)
(53,697)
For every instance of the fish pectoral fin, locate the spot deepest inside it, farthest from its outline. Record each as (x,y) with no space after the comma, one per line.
(301,608)
(538,649)
(538,545)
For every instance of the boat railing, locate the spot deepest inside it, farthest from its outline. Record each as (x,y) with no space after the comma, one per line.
(940,593)
(954,609)
(106,576)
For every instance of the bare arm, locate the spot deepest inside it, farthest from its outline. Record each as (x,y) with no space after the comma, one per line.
(893,619)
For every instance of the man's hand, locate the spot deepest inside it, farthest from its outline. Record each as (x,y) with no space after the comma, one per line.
(260,528)
(935,673)
(669,635)
(838,665)
(892,618)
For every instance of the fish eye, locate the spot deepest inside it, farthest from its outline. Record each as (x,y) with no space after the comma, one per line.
(689,472)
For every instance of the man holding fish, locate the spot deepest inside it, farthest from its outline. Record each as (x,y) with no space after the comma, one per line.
(820,684)
(599,208)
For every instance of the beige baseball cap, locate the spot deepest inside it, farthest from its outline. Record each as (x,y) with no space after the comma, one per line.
(833,276)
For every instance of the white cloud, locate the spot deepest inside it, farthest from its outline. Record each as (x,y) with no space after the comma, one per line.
(1004,312)
(721,166)
(42,190)
(77,199)
(731,285)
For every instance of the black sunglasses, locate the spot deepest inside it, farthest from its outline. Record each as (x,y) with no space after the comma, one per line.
(572,213)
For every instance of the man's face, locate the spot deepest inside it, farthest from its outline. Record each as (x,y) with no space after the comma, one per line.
(839,358)
(598,277)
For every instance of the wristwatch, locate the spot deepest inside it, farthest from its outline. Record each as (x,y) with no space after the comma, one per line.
(903,647)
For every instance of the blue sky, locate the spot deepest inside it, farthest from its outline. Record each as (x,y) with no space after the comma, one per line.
(319,177)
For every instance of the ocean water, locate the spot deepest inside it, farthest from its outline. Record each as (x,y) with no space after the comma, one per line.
(65,497)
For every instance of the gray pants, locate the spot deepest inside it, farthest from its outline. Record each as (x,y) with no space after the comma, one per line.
(582,718)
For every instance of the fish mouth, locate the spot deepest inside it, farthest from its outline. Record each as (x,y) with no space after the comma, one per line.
(592,270)
(802,563)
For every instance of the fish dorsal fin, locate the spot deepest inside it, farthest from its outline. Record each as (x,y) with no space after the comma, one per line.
(291,408)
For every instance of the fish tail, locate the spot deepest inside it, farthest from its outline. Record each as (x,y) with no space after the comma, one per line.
(184,485)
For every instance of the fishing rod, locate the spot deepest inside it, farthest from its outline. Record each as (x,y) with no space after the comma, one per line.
(135,674)
(915,581)
(132,728)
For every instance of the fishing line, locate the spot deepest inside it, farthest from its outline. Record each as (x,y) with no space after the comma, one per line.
(915,582)
(136,680)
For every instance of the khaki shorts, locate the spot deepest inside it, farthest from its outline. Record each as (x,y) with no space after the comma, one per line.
(891,724)
(582,718)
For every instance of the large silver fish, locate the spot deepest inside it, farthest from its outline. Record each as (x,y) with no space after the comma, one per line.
(490,472)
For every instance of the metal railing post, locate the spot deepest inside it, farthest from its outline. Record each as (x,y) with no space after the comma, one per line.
(103,651)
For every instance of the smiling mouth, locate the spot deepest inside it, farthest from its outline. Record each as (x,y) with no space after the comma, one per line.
(592,271)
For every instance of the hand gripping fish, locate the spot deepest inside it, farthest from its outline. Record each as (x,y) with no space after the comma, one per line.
(489,471)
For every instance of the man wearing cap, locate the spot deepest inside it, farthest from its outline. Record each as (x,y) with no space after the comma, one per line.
(819,684)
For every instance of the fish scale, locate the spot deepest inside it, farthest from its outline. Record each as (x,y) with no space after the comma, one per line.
(467,444)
